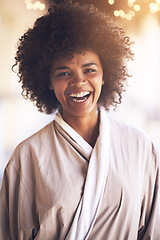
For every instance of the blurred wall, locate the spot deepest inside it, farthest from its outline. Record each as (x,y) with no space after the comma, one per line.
(18,118)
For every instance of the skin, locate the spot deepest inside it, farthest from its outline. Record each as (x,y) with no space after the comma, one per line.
(82,75)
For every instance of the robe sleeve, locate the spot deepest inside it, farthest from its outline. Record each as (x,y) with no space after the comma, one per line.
(4,209)
(150,209)
(13,199)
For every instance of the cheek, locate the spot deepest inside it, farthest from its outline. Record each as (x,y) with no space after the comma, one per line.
(98,83)
(59,90)
(98,88)
(55,85)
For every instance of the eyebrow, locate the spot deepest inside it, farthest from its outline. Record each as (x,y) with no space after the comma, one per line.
(65,67)
(89,64)
(61,68)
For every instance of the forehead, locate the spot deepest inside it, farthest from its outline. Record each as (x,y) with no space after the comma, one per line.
(80,57)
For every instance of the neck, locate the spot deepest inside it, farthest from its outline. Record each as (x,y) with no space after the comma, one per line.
(86,126)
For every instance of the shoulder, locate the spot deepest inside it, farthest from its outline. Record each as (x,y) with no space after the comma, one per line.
(125,135)
(127,132)
(135,142)
(28,159)
(133,149)
(132,139)
(33,145)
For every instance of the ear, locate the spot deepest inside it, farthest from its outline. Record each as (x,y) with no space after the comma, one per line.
(102,81)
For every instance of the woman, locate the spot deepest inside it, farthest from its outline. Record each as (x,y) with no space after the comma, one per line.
(84,175)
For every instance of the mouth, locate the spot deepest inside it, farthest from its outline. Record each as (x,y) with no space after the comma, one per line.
(80,97)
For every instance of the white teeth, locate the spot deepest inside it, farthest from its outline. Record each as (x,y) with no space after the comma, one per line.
(78,100)
(82,94)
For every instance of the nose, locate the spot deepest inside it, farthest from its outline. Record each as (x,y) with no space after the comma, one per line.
(78,80)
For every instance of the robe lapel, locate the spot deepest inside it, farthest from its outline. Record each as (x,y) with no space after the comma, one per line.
(73,137)
(90,202)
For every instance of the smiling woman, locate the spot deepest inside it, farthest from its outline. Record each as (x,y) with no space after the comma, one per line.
(77,84)
(84,175)
(54,38)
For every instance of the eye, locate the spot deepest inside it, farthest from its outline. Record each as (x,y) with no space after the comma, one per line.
(63,74)
(89,70)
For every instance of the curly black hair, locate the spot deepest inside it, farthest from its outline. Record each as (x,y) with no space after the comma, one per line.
(68,28)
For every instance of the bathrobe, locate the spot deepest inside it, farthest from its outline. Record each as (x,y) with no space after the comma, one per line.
(56,186)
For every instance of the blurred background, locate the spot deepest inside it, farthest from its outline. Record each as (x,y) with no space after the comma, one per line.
(141,102)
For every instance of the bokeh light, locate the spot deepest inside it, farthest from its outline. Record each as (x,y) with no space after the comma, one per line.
(34,6)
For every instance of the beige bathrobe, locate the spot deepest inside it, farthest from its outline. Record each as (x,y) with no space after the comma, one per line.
(47,180)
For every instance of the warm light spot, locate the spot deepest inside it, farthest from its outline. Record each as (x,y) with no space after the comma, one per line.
(132,13)
(137,8)
(131,3)
(29,6)
(42,7)
(111,2)
(37,4)
(128,17)
(122,14)
(116,13)
(157,1)
(153,7)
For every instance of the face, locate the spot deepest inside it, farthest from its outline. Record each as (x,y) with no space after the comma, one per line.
(77,83)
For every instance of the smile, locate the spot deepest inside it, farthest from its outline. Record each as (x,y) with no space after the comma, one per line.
(80,97)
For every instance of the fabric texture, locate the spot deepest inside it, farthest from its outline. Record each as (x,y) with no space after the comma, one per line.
(90,202)
(44,183)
